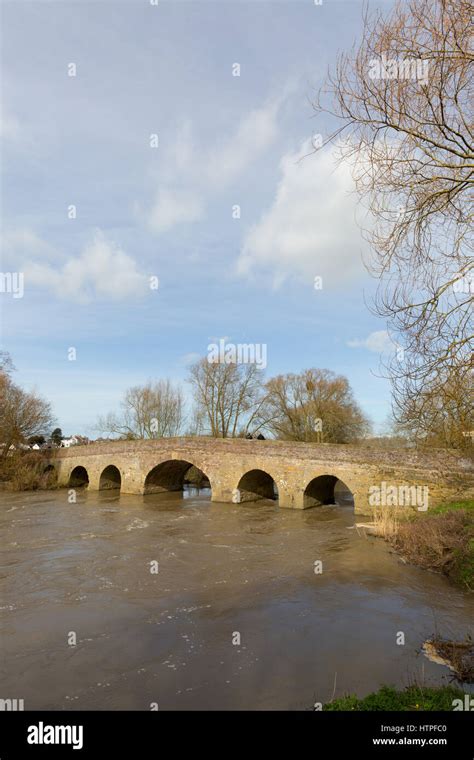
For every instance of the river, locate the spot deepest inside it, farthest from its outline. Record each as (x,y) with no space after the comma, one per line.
(235,618)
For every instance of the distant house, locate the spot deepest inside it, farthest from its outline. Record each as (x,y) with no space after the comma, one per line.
(74,440)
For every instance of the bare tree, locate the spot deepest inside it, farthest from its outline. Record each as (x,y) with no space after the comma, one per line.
(6,364)
(227,397)
(315,405)
(154,410)
(442,414)
(403,101)
(22,414)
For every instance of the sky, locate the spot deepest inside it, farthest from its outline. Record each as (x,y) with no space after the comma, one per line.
(160,191)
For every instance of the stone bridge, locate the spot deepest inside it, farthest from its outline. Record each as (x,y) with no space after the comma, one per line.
(299,475)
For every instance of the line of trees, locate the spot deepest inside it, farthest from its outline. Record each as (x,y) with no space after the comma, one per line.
(233,400)
(229,400)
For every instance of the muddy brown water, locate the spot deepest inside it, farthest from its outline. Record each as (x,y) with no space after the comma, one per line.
(171,638)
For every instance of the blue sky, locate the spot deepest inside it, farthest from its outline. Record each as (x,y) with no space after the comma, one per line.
(167,211)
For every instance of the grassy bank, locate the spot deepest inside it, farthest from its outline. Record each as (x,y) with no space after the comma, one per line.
(441,540)
(412,699)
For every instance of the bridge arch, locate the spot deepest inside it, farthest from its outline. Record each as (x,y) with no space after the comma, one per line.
(79,477)
(255,485)
(327,489)
(173,474)
(110,478)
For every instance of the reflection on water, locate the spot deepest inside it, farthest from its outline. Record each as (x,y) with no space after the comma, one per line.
(223,568)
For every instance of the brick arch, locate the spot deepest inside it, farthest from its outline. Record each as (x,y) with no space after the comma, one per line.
(169,474)
(110,478)
(78,476)
(255,484)
(320,489)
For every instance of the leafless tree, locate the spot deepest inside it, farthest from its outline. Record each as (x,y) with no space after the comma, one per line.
(227,397)
(22,414)
(315,405)
(154,410)
(6,364)
(442,413)
(403,102)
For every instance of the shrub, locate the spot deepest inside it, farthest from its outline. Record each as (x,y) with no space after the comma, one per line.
(26,471)
(411,699)
(442,541)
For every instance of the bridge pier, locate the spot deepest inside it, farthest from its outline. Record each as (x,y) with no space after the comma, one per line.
(222,494)
(287,499)
(290,499)
(94,481)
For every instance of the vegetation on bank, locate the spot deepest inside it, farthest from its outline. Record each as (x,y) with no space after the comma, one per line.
(412,699)
(26,471)
(441,540)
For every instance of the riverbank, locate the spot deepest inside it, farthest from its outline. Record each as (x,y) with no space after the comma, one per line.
(441,540)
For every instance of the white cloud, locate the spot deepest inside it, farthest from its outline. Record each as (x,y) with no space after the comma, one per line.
(19,244)
(192,174)
(378,341)
(255,133)
(310,230)
(173,207)
(102,270)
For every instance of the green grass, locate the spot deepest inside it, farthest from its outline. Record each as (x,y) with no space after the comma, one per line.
(453,506)
(411,699)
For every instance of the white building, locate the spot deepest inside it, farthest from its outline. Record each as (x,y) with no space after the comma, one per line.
(74,440)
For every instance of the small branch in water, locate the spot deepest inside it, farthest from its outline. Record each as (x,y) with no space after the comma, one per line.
(458,656)
(334,689)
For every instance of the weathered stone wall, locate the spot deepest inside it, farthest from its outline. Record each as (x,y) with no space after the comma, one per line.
(292,466)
